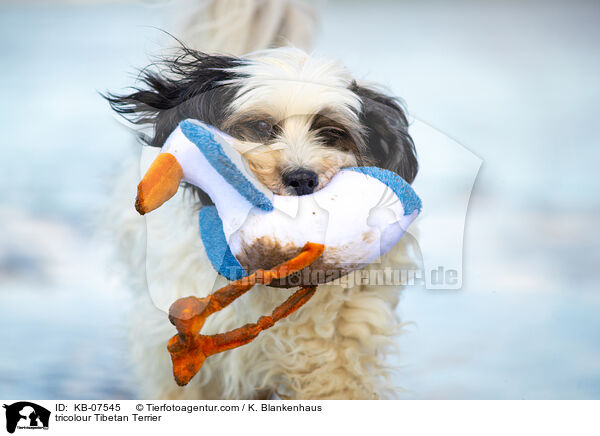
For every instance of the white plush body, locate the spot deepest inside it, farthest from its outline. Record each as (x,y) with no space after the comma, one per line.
(343,216)
(335,347)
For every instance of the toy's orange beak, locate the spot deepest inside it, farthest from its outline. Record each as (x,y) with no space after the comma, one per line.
(159,184)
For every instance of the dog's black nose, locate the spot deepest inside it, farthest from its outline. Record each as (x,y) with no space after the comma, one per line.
(302,181)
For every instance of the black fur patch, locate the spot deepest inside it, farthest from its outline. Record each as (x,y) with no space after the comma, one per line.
(188,86)
(388,142)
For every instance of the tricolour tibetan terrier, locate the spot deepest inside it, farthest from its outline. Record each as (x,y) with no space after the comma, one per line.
(300,118)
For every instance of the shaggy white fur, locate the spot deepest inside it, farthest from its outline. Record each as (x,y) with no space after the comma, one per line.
(238,27)
(333,347)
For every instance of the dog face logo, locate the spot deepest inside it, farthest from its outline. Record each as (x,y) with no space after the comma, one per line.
(26,415)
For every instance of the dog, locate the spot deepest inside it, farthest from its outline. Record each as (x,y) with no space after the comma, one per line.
(300,118)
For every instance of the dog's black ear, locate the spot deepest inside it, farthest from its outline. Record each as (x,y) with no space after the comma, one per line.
(190,85)
(387,138)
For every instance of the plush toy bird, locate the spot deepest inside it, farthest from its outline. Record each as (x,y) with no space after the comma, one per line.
(358,216)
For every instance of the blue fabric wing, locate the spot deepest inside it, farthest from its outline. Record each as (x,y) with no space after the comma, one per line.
(215,245)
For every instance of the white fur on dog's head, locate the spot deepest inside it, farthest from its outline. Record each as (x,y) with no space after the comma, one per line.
(300,97)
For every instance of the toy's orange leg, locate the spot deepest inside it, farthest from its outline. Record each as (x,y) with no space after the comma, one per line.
(189,349)
(159,184)
(189,314)
(188,356)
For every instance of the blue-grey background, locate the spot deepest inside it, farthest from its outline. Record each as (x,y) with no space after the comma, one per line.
(515,82)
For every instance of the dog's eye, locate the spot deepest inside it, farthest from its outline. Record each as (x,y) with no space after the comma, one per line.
(332,134)
(263,130)
(254,130)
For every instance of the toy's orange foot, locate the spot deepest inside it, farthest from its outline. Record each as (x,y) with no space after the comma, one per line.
(189,349)
(187,358)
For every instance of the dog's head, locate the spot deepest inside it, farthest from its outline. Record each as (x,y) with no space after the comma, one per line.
(299,118)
